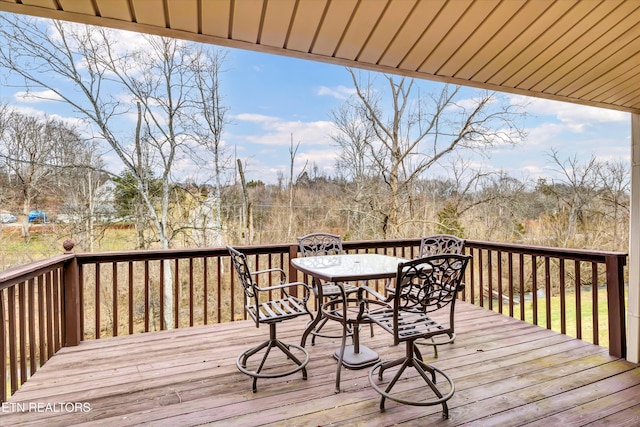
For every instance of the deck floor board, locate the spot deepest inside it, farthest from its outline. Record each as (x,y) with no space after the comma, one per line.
(506,373)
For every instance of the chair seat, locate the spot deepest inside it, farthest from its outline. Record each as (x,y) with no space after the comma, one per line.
(410,323)
(332,290)
(277,310)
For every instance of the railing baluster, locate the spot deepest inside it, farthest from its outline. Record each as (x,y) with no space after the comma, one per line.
(13,345)
(563,299)
(114,298)
(191,291)
(500,304)
(521,277)
(534,288)
(205,290)
(219,288)
(147,291)
(162,297)
(42,336)
(472,277)
(594,303)
(480,277)
(578,300)
(32,325)
(50,314)
(97,303)
(3,344)
(81,299)
(130,299)
(176,294)
(490,278)
(22,334)
(232,293)
(57,312)
(510,273)
(547,290)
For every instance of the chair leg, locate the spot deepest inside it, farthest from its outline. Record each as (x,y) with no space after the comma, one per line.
(418,354)
(317,323)
(300,365)
(388,365)
(285,349)
(426,372)
(247,354)
(317,329)
(311,326)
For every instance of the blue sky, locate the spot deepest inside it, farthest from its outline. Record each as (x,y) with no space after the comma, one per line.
(272,98)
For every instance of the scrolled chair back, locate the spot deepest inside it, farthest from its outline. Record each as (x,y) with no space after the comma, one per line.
(244,272)
(431,283)
(440,244)
(318,244)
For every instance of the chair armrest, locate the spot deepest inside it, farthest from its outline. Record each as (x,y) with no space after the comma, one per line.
(364,302)
(366,289)
(285,286)
(283,275)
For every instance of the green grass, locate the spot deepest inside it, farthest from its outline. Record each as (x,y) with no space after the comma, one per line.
(586,315)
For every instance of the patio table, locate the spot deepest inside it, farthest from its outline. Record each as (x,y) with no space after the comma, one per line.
(355,268)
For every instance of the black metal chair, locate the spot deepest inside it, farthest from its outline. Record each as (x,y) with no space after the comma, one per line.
(318,244)
(440,244)
(271,312)
(424,287)
(434,245)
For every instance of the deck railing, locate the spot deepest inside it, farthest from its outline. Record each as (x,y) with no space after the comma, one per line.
(74,297)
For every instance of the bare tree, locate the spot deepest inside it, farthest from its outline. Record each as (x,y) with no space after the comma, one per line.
(614,191)
(247,206)
(33,149)
(292,158)
(414,133)
(207,68)
(354,139)
(108,82)
(575,188)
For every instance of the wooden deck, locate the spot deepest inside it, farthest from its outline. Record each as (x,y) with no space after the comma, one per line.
(506,373)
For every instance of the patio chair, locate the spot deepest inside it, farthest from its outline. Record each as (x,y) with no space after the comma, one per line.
(440,244)
(421,308)
(271,312)
(318,244)
(434,245)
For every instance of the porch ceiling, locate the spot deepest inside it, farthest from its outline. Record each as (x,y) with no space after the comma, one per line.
(581,51)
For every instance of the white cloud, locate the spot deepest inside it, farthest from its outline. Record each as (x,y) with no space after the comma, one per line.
(263,141)
(338,92)
(319,157)
(544,133)
(274,131)
(33,97)
(574,117)
(255,118)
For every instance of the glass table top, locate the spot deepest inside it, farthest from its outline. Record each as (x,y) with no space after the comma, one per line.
(349,267)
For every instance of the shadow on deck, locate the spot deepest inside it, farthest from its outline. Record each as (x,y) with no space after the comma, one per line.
(506,372)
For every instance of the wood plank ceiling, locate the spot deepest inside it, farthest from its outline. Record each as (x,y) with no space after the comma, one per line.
(581,51)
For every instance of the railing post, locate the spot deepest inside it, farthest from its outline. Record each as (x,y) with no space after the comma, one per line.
(615,304)
(72,312)
(293,273)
